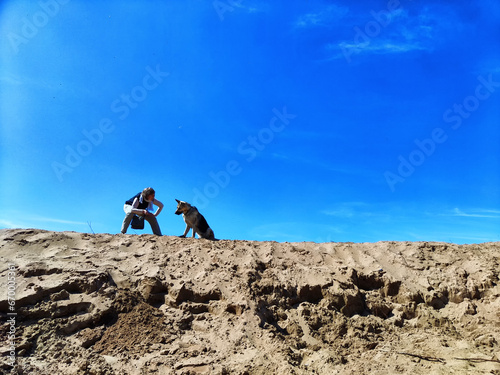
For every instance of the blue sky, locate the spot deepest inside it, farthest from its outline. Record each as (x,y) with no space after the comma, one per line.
(286,120)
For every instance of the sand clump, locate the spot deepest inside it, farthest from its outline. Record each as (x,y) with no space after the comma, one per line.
(127,304)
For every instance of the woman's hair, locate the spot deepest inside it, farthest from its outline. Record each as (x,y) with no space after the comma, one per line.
(147,192)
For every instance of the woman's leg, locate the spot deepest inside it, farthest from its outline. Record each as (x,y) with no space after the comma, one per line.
(128,217)
(155,227)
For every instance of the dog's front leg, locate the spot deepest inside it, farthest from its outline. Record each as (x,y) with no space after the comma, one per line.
(194,232)
(185,232)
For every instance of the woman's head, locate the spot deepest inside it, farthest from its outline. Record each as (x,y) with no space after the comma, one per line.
(148,194)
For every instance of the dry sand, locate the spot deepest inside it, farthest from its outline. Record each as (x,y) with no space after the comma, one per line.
(127,304)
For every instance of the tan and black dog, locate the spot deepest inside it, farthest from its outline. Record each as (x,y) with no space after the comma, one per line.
(194,220)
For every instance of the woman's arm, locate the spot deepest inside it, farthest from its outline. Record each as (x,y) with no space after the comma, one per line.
(156,202)
(136,210)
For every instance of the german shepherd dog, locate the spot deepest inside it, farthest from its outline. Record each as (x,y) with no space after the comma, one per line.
(194,220)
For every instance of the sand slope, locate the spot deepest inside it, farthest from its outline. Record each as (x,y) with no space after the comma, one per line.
(126,304)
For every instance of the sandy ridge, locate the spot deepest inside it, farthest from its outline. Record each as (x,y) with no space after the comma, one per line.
(126,304)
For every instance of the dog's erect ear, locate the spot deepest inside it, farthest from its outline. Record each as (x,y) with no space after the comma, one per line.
(178,201)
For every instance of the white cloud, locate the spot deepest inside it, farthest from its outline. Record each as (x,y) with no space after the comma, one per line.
(35,221)
(58,221)
(375,47)
(9,224)
(349,210)
(321,18)
(482,213)
(397,32)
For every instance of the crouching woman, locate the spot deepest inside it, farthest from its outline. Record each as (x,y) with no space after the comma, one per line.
(142,204)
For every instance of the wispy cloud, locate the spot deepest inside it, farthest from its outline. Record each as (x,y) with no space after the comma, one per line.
(378,47)
(35,221)
(321,18)
(295,231)
(491,65)
(354,210)
(222,7)
(468,239)
(361,209)
(396,32)
(452,237)
(246,7)
(346,209)
(330,167)
(11,80)
(9,224)
(481,213)
(56,220)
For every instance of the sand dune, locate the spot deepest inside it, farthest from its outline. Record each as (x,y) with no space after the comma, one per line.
(126,304)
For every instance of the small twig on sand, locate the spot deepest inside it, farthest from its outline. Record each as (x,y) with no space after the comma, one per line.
(442,360)
(478,360)
(90,226)
(404,260)
(424,357)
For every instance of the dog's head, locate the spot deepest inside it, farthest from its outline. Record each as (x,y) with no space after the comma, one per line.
(182,207)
